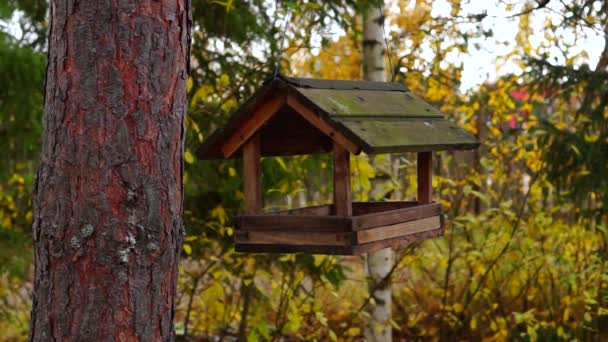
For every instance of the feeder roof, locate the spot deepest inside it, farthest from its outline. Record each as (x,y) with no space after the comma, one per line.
(302,116)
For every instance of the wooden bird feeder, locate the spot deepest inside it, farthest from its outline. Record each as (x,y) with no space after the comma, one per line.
(294,116)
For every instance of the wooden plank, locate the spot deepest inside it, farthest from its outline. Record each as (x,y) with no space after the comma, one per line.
(310,249)
(363,208)
(374,103)
(386,218)
(322,125)
(358,249)
(288,133)
(294,238)
(248,128)
(339,250)
(342,194)
(399,229)
(396,242)
(425,176)
(386,135)
(252,175)
(293,223)
(321,210)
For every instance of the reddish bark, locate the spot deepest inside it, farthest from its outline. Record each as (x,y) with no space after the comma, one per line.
(108,196)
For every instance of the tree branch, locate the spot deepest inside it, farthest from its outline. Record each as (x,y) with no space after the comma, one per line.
(539,4)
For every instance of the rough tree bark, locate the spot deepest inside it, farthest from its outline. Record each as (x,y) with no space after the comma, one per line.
(379,263)
(108,196)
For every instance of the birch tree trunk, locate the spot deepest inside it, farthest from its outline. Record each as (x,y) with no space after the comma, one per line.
(379,263)
(108,196)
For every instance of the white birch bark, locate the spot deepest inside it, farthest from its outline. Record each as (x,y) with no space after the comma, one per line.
(378,264)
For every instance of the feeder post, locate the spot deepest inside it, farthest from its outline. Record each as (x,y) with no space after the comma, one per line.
(252,175)
(425,174)
(342,194)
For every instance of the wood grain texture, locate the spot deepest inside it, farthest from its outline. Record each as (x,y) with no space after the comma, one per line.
(308,249)
(288,133)
(371,104)
(259,117)
(322,125)
(314,230)
(342,193)
(363,208)
(322,210)
(339,249)
(401,241)
(107,200)
(384,218)
(398,230)
(425,177)
(306,223)
(294,238)
(252,175)
(391,135)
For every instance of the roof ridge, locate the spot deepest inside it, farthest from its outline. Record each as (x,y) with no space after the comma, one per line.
(321,83)
(388,116)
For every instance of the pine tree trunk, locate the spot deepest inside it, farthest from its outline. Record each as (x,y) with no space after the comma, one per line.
(108,196)
(379,263)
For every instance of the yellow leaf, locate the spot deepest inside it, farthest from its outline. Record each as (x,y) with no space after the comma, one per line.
(566,314)
(187,249)
(230,104)
(591,138)
(188,157)
(189,84)
(220,214)
(201,94)
(332,335)
(224,80)
(6,222)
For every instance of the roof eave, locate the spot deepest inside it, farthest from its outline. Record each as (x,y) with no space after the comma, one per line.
(422,148)
(207,148)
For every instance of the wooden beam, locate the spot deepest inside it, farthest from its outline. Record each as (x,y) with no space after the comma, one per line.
(252,175)
(260,116)
(396,242)
(425,177)
(365,208)
(386,218)
(398,230)
(322,125)
(301,223)
(282,248)
(318,210)
(293,238)
(342,194)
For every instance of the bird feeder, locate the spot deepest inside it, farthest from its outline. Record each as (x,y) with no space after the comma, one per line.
(295,116)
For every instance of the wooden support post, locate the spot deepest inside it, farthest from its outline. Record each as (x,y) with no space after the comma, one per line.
(425,177)
(252,175)
(342,195)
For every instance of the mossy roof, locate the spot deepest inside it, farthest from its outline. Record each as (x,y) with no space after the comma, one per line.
(378,117)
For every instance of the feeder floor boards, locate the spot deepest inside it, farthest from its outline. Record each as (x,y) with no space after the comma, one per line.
(373,225)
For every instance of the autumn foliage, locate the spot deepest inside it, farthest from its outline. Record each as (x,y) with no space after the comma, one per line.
(525,254)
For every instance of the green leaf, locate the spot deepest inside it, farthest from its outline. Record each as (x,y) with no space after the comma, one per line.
(263,330)
(253,337)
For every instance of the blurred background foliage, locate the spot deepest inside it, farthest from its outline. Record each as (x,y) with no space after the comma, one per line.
(525,255)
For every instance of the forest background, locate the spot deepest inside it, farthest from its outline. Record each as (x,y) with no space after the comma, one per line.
(525,254)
